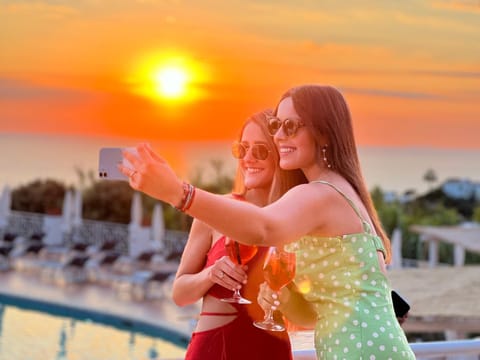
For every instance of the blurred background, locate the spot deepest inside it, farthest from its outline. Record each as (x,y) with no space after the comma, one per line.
(78,75)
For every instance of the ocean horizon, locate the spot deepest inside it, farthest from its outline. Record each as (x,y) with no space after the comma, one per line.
(29,157)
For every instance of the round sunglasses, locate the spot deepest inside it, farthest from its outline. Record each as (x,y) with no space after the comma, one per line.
(259,151)
(290,126)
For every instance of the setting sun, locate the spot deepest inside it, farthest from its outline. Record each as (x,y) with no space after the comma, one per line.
(168,77)
(171,82)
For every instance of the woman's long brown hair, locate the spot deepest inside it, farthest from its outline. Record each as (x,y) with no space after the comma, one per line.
(325,112)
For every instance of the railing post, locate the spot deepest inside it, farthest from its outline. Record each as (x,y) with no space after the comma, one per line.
(432,251)
(458,255)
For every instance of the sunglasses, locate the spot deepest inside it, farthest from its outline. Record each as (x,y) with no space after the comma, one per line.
(290,126)
(259,151)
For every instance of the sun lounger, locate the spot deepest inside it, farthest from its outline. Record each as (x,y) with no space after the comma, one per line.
(71,270)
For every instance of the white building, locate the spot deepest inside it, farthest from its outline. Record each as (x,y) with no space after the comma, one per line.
(461,189)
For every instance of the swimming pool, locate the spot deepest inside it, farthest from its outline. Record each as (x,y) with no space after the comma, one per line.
(35,330)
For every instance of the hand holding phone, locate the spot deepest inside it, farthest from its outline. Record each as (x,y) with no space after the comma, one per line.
(109,159)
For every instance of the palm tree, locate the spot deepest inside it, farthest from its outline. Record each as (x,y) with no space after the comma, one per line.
(430,177)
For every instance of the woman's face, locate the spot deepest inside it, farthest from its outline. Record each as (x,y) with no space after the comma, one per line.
(298,150)
(257,173)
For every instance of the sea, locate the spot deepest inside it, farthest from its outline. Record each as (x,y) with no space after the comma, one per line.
(28,157)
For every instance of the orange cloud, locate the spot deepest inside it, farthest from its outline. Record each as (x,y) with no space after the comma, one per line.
(458,5)
(64,68)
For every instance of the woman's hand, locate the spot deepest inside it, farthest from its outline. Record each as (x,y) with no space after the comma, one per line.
(299,313)
(269,299)
(227,274)
(152,175)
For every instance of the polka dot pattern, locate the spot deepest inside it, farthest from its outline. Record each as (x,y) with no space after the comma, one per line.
(351,296)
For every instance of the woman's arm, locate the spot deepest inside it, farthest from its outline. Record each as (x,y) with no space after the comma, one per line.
(294,215)
(192,280)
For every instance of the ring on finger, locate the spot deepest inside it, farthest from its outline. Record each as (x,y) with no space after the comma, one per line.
(220,274)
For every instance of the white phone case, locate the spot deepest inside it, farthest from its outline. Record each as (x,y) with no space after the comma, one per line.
(109,159)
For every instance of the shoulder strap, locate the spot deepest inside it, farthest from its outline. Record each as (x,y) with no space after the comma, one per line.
(365,224)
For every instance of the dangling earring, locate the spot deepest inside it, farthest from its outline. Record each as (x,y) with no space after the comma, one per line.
(325,160)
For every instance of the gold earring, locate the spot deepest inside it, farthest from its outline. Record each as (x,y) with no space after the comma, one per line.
(325,160)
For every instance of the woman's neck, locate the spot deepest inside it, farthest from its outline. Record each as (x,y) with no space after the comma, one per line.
(257,197)
(318,173)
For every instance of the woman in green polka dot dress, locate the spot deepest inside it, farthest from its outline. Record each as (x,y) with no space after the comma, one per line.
(342,277)
(341,259)
(340,289)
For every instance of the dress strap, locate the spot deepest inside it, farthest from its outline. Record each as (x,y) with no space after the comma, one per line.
(365,224)
(237,196)
(207,313)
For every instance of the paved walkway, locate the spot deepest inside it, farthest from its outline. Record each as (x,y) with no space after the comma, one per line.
(441,298)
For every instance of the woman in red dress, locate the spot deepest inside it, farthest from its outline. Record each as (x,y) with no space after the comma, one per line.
(225,330)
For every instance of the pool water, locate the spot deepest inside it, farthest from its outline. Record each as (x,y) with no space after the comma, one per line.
(32,330)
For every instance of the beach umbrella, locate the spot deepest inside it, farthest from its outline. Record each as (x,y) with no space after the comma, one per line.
(67,212)
(6,201)
(5,205)
(138,236)
(158,227)
(77,208)
(136,210)
(396,242)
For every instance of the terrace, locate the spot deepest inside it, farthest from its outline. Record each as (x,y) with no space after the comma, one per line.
(439,306)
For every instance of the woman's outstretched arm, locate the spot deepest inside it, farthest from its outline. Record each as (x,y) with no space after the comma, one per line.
(294,215)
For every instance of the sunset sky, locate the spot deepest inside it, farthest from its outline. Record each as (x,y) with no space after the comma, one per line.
(410,69)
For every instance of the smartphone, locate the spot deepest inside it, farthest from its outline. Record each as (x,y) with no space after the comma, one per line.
(400,305)
(109,159)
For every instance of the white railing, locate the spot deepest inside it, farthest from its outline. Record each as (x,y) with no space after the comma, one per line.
(24,224)
(427,350)
(424,350)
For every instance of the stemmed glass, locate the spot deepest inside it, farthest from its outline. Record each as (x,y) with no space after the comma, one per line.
(240,254)
(278,270)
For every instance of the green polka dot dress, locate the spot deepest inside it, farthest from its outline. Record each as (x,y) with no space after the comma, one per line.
(341,276)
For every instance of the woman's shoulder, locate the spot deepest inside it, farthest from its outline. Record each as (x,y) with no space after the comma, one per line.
(312,189)
(335,187)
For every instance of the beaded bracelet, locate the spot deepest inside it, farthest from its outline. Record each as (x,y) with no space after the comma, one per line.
(191,195)
(187,198)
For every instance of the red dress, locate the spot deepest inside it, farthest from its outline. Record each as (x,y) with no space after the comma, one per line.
(239,339)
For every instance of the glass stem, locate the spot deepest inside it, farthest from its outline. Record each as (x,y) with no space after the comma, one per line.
(269,315)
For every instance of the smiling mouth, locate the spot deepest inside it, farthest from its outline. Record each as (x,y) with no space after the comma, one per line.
(286,150)
(251,170)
